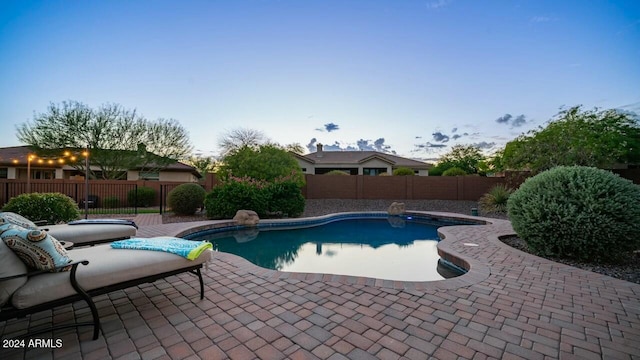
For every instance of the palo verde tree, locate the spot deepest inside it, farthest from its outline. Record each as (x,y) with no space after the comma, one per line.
(118,138)
(595,138)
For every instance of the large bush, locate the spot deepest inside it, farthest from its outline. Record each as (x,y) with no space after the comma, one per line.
(285,199)
(268,199)
(403,171)
(265,162)
(142,196)
(233,195)
(53,208)
(454,171)
(185,199)
(338,172)
(577,212)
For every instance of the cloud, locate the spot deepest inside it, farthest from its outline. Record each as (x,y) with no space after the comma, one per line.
(519,121)
(456,136)
(454,129)
(511,120)
(335,147)
(361,145)
(428,147)
(331,127)
(504,119)
(378,145)
(437,4)
(440,137)
(484,145)
(311,146)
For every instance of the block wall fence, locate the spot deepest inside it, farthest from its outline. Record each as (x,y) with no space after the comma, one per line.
(316,187)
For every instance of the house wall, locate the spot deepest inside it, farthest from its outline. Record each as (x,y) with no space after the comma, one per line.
(373,163)
(176,176)
(133,175)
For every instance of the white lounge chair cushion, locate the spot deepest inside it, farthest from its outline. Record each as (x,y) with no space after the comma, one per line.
(107,266)
(10,265)
(80,234)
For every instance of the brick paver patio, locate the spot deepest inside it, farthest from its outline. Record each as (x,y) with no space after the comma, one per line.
(510,305)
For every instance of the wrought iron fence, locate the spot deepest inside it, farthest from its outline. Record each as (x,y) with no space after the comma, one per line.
(103,198)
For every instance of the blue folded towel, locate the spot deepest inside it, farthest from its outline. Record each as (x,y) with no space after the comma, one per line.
(103,221)
(186,248)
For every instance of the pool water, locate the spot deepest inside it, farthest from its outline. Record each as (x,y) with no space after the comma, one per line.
(390,248)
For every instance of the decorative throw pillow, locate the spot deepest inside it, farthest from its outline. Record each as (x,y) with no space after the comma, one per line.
(36,248)
(18,219)
(5,225)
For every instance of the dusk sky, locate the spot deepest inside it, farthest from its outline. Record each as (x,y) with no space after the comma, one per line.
(410,77)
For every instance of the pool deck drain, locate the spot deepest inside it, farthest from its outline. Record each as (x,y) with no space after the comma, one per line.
(510,305)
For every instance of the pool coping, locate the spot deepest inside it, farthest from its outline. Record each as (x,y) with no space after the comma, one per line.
(450,248)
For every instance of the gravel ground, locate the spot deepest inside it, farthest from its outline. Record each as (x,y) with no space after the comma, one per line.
(629,270)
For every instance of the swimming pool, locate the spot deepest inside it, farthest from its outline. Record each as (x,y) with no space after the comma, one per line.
(382,247)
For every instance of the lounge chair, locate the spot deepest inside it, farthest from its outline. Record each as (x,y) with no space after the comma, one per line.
(92,232)
(104,269)
(81,232)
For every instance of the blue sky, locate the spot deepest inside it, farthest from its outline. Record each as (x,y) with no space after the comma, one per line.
(411,77)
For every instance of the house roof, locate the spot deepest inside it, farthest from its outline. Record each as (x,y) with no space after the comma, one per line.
(359,157)
(14,155)
(17,156)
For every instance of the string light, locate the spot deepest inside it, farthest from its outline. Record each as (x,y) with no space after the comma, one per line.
(48,161)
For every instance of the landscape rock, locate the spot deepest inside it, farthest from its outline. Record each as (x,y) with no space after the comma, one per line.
(396,208)
(246,218)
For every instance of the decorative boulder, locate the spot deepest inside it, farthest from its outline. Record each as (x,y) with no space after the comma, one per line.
(396,208)
(246,218)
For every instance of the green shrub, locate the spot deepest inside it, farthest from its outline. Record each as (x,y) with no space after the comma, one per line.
(280,197)
(495,200)
(233,195)
(577,212)
(53,208)
(454,171)
(403,171)
(285,198)
(185,199)
(337,172)
(142,196)
(110,202)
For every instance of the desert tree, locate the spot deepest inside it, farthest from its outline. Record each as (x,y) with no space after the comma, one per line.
(596,138)
(235,139)
(118,139)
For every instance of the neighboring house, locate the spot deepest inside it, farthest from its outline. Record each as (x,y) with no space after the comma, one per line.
(357,162)
(14,164)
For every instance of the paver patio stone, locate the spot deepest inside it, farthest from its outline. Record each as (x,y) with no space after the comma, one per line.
(510,305)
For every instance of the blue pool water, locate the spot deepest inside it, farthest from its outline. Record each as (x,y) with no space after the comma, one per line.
(390,248)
